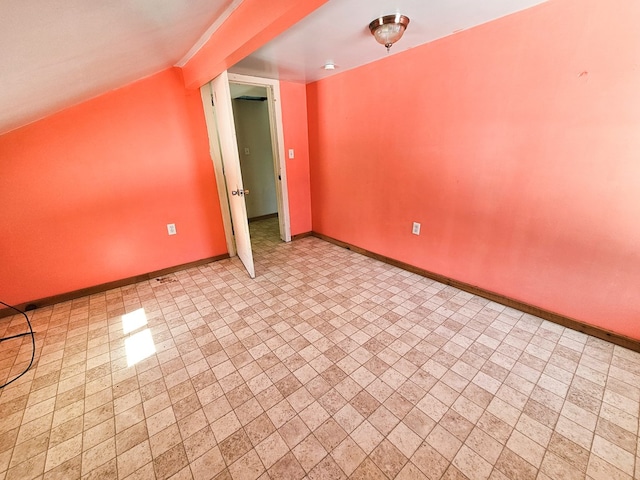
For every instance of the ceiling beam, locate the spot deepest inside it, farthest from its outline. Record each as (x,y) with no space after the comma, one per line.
(250,26)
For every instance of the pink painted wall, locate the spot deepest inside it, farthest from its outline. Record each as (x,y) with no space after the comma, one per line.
(86,194)
(248,28)
(294,119)
(515,144)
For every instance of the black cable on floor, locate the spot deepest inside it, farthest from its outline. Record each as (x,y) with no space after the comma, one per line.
(33,341)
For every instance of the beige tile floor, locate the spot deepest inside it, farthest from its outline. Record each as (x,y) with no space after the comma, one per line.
(329,365)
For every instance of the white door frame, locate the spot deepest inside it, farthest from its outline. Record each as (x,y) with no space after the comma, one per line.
(277,145)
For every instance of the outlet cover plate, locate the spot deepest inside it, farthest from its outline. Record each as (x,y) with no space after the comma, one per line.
(171,228)
(416,228)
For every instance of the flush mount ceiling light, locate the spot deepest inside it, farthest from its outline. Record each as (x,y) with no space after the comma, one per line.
(329,66)
(389,29)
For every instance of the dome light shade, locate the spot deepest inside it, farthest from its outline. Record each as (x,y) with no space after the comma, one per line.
(389,29)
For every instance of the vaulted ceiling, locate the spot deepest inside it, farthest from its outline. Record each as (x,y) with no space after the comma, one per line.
(56,53)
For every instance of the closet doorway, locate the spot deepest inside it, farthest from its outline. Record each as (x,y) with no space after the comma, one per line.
(227,149)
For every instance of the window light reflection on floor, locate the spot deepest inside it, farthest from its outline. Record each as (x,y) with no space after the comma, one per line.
(139,346)
(133,321)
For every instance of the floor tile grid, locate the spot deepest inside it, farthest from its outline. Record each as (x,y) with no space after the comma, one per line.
(380,359)
(602,421)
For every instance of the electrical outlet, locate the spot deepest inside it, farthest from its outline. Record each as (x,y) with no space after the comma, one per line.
(416,228)
(171,228)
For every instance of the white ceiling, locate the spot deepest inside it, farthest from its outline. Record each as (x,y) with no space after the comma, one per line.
(338,32)
(56,53)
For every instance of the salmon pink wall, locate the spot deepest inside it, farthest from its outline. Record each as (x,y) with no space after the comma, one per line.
(515,145)
(294,119)
(86,193)
(248,28)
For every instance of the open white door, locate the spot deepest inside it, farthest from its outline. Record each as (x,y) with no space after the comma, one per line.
(231,160)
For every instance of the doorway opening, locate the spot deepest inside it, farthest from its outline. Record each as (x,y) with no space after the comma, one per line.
(253,135)
(248,157)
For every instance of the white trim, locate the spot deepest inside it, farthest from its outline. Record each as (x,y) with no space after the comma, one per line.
(204,38)
(279,160)
(216,158)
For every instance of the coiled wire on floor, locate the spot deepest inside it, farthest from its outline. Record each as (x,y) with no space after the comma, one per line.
(33,341)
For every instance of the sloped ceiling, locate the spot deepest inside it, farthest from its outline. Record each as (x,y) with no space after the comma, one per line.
(57,53)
